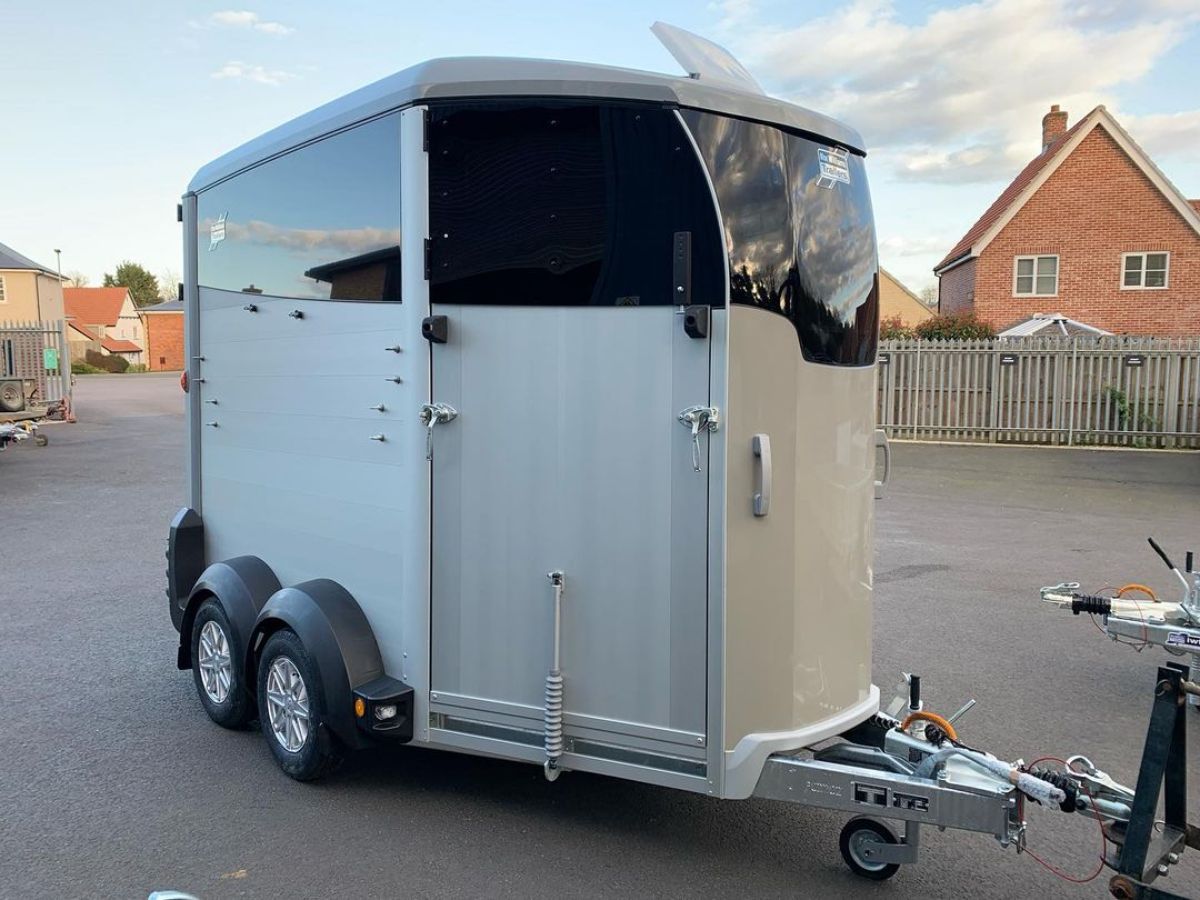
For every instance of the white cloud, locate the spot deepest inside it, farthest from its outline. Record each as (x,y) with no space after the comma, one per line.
(959,96)
(240,71)
(1172,134)
(244,18)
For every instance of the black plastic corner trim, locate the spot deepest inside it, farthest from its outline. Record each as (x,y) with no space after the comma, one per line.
(336,633)
(242,585)
(386,691)
(185,560)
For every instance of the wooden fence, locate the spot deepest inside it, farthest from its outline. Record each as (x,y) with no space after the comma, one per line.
(37,353)
(1082,391)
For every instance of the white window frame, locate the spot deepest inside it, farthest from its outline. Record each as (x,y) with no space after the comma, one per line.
(1143,286)
(1035,257)
(4,289)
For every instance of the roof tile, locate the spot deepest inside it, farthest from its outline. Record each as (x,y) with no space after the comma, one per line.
(95,306)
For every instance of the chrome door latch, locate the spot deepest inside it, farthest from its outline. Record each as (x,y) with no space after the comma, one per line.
(431,415)
(698,419)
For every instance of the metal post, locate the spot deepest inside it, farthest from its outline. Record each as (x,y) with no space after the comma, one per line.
(1070,393)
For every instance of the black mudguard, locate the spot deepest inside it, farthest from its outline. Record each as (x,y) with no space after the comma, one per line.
(242,586)
(185,561)
(335,631)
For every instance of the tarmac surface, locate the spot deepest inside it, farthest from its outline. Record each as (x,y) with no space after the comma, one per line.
(114,783)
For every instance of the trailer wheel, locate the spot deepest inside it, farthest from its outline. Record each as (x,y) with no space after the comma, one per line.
(291,709)
(41,440)
(858,839)
(216,668)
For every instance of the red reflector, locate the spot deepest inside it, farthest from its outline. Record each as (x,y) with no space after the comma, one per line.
(183,382)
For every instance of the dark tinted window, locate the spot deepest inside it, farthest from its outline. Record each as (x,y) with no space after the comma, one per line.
(320,222)
(566,204)
(799,231)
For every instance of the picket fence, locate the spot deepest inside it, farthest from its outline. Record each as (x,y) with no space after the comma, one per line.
(1075,391)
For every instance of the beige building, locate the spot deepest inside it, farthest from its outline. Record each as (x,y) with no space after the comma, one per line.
(895,300)
(28,292)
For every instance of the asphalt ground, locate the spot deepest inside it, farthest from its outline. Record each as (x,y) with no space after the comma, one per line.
(113,782)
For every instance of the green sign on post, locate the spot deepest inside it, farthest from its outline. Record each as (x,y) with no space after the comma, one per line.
(50,358)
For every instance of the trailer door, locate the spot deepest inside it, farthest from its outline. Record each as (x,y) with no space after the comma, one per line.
(563,235)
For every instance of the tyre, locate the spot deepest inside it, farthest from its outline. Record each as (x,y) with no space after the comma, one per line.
(12,396)
(217,668)
(292,710)
(859,838)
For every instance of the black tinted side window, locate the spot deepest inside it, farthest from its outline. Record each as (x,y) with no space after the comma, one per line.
(321,222)
(800,233)
(566,204)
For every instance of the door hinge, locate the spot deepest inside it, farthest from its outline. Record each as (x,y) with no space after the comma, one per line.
(428,258)
(178,212)
(425,129)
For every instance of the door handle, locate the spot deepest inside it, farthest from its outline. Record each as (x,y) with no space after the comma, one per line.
(881,442)
(431,414)
(761,445)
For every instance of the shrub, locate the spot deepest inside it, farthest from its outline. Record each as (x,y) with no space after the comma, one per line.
(114,364)
(955,326)
(894,329)
(79,367)
(138,367)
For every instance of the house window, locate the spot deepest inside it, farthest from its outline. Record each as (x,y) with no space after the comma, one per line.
(1035,276)
(3,298)
(1144,270)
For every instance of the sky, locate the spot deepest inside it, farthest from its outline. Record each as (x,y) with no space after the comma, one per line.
(110,108)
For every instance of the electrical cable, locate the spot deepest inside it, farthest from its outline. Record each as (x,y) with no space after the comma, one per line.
(1149,592)
(1050,867)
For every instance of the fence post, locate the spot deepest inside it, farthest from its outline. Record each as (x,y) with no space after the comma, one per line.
(1070,393)
(914,389)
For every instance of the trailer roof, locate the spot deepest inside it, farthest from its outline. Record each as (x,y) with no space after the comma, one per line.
(468,77)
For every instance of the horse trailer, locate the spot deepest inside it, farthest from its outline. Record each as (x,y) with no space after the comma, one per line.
(531,415)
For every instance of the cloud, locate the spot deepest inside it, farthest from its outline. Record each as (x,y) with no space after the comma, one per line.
(1172,134)
(337,242)
(244,18)
(240,71)
(959,96)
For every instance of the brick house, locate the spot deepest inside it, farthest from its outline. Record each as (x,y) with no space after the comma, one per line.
(29,292)
(1090,229)
(108,315)
(164,336)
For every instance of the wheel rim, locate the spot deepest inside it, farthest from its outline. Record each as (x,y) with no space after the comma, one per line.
(860,843)
(216,663)
(287,704)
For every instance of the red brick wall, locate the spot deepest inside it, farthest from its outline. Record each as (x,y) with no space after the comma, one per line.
(164,341)
(956,289)
(1096,206)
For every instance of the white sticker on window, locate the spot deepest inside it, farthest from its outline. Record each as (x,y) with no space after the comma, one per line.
(216,232)
(835,166)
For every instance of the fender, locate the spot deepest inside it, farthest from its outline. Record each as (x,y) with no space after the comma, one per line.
(241,585)
(185,561)
(334,629)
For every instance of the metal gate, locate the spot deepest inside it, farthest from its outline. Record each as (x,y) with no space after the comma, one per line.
(37,354)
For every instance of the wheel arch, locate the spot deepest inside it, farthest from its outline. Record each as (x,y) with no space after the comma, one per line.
(335,631)
(241,585)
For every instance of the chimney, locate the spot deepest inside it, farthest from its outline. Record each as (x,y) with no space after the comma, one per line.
(1054,124)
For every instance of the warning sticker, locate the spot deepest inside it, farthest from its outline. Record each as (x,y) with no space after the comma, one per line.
(835,166)
(216,232)
(1183,639)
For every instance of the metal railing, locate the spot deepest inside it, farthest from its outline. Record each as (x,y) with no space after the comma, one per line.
(1081,391)
(37,353)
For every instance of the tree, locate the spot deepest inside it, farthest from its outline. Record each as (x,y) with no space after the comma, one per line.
(76,279)
(142,286)
(168,284)
(929,296)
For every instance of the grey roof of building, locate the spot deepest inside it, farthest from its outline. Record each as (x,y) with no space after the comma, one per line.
(165,306)
(11,259)
(466,77)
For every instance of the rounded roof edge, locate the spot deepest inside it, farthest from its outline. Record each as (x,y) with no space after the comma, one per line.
(471,77)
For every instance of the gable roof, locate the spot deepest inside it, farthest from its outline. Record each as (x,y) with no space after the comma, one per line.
(84,330)
(95,306)
(119,345)
(11,259)
(1042,166)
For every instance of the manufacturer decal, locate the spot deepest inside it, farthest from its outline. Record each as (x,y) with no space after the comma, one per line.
(834,163)
(216,232)
(1183,639)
